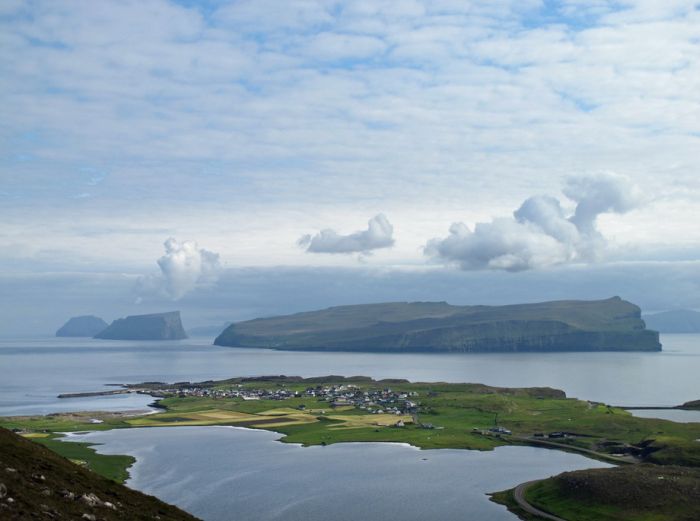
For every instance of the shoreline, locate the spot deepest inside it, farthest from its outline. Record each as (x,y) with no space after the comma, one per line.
(322,411)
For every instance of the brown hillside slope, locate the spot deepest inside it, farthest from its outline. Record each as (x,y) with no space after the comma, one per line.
(36,483)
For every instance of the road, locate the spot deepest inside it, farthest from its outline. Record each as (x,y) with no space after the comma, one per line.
(572,448)
(519,496)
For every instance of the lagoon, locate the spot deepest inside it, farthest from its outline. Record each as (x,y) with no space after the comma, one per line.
(223,473)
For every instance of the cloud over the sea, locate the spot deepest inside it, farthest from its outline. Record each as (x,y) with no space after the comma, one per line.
(184,267)
(540,233)
(379,234)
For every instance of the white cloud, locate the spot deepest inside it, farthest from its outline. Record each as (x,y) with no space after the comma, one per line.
(300,106)
(540,234)
(379,234)
(184,267)
(334,46)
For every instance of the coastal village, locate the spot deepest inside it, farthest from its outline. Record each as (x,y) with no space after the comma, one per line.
(373,401)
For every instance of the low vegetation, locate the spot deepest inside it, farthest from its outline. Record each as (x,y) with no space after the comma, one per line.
(628,493)
(36,483)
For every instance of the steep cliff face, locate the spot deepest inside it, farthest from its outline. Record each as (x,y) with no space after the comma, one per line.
(156,326)
(604,325)
(87,325)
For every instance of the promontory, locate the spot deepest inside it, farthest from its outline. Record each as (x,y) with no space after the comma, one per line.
(567,325)
(156,326)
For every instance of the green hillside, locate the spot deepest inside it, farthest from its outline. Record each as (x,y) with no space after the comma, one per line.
(627,493)
(569,325)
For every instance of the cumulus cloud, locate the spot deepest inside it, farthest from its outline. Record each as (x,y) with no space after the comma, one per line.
(184,267)
(540,233)
(379,234)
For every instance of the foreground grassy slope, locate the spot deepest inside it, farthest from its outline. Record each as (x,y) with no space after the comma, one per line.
(112,467)
(611,324)
(629,493)
(36,483)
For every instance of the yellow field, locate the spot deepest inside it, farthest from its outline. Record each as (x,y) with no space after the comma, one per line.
(279,417)
(222,415)
(283,411)
(271,418)
(368,420)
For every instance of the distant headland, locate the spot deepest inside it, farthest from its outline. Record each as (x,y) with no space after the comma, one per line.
(568,325)
(675,321)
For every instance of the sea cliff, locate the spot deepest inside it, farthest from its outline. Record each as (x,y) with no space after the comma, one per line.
(603,325)
(156,326)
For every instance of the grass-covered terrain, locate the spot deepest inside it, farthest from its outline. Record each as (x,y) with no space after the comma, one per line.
(628,493)
(36,483)
(47,430)
(445,416)
(112,467)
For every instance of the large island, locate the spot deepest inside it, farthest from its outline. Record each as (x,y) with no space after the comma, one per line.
(569,325)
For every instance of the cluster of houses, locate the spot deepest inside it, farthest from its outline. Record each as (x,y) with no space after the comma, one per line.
(234,392)
(374,401)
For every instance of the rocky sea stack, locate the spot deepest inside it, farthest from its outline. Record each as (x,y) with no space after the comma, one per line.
(156,326)
(86,325)
(568,325)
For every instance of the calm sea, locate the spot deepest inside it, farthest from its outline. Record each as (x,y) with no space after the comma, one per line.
(33,372)
(224,473)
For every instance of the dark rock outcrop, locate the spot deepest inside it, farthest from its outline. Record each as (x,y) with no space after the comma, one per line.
(156,326)
(86,325)
(603,325)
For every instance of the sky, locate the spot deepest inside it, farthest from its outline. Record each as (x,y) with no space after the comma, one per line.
(235,159)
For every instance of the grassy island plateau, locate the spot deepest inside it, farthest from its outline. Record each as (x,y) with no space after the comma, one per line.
(568,325)
(334,409)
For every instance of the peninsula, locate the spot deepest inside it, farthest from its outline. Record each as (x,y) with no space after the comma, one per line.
(156,326)
(569,325)
(335,409)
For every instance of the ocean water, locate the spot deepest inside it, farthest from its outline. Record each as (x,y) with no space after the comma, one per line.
(34,372)
(224,473)
(675,415)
